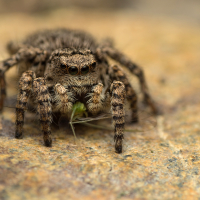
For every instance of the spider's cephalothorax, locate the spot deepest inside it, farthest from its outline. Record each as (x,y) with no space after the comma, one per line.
(60,67)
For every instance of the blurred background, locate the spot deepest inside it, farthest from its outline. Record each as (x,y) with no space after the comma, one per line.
(180,9)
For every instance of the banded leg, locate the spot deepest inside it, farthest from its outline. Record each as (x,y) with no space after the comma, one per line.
(64,99)
(94,104)
(2,90)
(118,74)
(117,106)
(43,108)
(24,54)
(25,88)
(135,69)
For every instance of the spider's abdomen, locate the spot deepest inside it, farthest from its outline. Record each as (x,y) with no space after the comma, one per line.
(50,40)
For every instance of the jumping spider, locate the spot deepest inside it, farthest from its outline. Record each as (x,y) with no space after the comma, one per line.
(60,67)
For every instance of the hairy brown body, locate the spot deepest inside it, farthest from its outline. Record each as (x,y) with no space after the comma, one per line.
(60,67)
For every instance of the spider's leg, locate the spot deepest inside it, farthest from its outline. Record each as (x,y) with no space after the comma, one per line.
(38,64)
(24,54)
(43,108)
(135,69)
(4,66)
(2,90)
(117,74)
(25,88)
(96,99)
(117,106)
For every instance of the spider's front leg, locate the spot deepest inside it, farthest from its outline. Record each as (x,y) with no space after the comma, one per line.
(44,108)
(118,113)
(25,88)
(29,84)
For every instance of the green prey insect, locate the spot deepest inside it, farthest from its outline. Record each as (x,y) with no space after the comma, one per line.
(80,116)
(78,112)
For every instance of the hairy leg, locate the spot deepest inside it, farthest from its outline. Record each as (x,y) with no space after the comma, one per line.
(44,109)
(2,90)
(24,54)
(117,106)
(25,88)
(135,69)
(117,74)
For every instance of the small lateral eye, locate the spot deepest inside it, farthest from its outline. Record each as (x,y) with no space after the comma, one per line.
(93,65)
(63,66)
(85,70)
(73,70)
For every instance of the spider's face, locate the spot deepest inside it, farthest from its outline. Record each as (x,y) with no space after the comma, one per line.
(74,67)
(78,64)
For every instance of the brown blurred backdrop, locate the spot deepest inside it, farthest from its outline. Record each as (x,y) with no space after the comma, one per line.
(180,9)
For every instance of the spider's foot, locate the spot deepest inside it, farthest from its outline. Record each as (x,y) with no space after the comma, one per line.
(158,111)
(18,135)
(118,149)
(134,119)
(118,143)
(48,142)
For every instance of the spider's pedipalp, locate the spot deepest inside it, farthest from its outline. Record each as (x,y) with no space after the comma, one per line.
(64,99)
(96,100)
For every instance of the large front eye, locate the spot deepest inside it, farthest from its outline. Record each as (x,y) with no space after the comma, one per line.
(85,70)
(73,70)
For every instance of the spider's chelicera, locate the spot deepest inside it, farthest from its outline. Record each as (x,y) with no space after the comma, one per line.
(60,67)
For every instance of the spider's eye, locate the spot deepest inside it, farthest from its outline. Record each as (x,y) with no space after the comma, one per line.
(85,70)
(63,66)
(73,70)
(93,65)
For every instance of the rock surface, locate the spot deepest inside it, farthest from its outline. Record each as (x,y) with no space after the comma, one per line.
(161,158)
